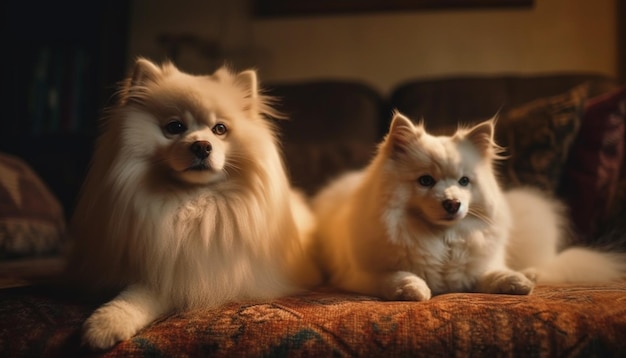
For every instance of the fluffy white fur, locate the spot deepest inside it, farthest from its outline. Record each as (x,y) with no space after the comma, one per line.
(186,203)
(427,216)
(539,239)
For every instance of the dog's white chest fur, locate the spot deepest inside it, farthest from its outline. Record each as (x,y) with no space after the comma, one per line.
(449,262)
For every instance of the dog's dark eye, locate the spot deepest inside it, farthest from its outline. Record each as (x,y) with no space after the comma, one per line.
(175,127)
(464,181)
(426,180)
(219,129)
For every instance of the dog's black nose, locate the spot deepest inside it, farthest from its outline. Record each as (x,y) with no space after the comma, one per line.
(451,205)
(201,149)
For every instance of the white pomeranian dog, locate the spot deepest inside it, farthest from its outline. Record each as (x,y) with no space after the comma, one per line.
(186,204)
(427,216)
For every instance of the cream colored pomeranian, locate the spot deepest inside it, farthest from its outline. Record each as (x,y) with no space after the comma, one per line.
(186,204)
(427,216)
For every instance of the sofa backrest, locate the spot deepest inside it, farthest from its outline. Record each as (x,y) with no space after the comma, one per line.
(331,126)
(334,125)
(444,102)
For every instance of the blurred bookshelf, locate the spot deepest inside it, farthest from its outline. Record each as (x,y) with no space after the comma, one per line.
(61,61)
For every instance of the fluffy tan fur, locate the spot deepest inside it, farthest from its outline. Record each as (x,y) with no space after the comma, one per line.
(186,203)
(427,216)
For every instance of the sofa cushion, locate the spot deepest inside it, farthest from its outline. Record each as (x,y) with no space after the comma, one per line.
(537,137)
(31,217)
(591,175)
(556,320)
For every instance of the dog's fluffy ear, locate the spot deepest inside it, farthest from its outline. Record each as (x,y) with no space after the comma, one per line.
(482,137)
(247,81)
(402,132)
(143,73)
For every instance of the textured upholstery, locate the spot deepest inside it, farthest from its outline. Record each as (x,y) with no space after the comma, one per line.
(554,321)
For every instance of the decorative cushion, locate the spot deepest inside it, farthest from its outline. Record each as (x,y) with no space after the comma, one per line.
(591,174)
(31,218)
(537,137)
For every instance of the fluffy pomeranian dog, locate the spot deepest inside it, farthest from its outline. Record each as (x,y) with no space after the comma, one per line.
(427,216)
(186,204)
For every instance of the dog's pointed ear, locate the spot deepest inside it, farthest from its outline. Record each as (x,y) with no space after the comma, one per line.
(402,132)
(482,137)
(254,101)
(248,82)
(143,73)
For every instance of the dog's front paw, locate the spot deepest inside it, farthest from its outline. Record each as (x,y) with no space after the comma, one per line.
(107,326)
(506,282)
(531,273)
(405,286)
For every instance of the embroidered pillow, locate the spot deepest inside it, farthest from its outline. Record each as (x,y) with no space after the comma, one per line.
(538,136)
(31,218)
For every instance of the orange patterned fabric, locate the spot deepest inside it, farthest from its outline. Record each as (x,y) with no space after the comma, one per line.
(556,320)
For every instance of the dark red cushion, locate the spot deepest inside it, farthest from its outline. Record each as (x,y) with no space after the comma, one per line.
(591,173)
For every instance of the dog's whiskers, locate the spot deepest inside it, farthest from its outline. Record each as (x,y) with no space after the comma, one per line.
(230,170)
(479,214)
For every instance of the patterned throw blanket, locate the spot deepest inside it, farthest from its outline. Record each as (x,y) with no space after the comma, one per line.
(563,320)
